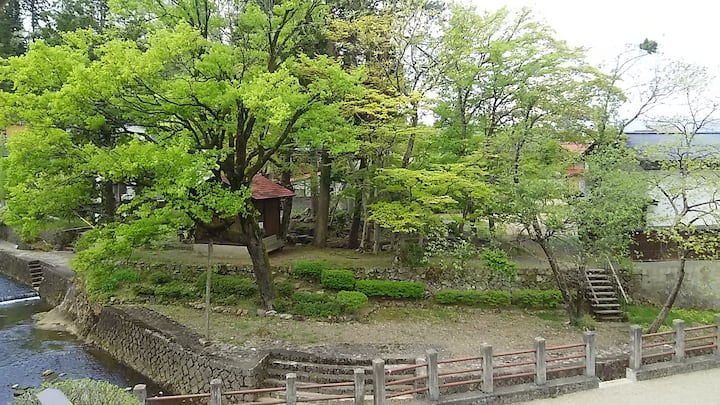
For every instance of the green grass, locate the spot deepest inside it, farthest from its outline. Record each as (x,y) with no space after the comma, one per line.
(549,316)
(645,314)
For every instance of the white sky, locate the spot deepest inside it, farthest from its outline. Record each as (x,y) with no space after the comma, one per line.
(685,30)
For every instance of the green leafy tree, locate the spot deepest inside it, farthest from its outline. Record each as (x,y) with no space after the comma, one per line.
(225,106)
(12,42)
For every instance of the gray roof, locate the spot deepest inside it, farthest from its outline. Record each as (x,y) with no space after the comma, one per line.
(666,146)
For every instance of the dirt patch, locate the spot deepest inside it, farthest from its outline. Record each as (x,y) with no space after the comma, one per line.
(402,330)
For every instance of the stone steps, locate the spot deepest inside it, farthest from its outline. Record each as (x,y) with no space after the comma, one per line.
(604,302)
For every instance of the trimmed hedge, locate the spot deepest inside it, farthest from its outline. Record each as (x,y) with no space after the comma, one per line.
(308,269)
(537,298)
(476,298)
(315,305)
(351,301)
(391,289)
(337,279)
(227,285)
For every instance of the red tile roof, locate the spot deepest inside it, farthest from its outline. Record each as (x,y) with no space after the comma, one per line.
(264,189)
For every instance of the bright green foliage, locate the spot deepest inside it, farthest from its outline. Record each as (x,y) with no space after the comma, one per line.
(174,291)
(309,270)
(227,285)
(351,301)
(498,263)
(646,314)
(107,280)
(476,298)
(337,279)
(391,288)
(82,392)
(315,305)
(541,299)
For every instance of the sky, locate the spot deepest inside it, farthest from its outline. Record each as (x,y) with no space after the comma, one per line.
(685,31)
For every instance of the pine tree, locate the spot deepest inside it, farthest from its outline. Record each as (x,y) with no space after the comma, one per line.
(12,42)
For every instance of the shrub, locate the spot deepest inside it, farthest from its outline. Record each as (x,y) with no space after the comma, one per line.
(285,289)
(174,291)
(283,305)
(228,285)
(159,277)
(107,279)
(487,298)
(498,262)
(82,392)
(337,279)
(308,269)
(315,305)
(351,301)
(391,289)
(537,298)
(143,289)
(587,322)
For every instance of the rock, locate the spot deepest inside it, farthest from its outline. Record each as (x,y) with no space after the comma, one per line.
(62,375)
(217,309)
(18,392)
(285,316)
(48,373)
(271,312)
(260,312)
(240,312)
(15,386)
(204,342)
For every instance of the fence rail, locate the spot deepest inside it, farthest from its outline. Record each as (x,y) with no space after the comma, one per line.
(429,375)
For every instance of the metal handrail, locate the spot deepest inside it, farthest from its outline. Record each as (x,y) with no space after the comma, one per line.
(617,280)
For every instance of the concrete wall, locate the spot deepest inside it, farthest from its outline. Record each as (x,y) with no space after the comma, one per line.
(700,289)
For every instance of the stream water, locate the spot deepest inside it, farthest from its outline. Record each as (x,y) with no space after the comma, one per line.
(26,352)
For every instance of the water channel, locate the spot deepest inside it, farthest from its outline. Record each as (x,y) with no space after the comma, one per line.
(26,352)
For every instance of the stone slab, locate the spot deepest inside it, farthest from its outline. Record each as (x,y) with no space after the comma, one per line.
(664,369)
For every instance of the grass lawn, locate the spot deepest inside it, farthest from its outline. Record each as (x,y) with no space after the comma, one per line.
(644,315)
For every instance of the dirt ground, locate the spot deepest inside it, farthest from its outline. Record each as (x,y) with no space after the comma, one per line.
(454,332)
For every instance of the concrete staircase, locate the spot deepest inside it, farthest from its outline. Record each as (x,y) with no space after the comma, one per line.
(313,369)
(602,295)
(36,273)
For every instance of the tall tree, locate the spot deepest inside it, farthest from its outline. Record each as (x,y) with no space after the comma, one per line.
(12,42)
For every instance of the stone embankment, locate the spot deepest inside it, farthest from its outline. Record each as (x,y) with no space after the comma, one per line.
(167,353)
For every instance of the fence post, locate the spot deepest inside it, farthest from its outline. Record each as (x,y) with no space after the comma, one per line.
(589,339)
(540,365)
(378,382)
(679,329)
(359,378)
(487,367)
(716,321)
(635,347)
(433,380)
(216,391)
(140,392)
(290,391)
(420,371)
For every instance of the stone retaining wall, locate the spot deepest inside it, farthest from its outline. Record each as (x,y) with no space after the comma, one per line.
(171,355)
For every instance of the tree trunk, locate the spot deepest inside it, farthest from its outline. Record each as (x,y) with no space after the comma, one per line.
(411,139)
(376,237)
(109,205)
(571,306)
(288,202)
(671,298)
(323,208)
(261,264)
(356,222)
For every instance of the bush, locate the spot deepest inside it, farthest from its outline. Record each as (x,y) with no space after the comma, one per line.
(82,392)
(227,285)
(391,289)
(107,279)
(537,298)
(337,279)
(308,269)
(282,305)
(159,277)
(285,289)
(498,262)
(487,298)
(315,305)
(351,301)
(175,291)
